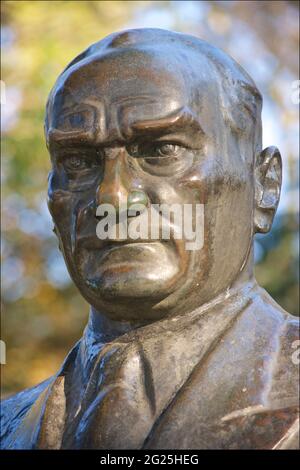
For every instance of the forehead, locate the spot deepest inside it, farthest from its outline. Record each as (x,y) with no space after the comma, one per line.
(118,75)
(127,86)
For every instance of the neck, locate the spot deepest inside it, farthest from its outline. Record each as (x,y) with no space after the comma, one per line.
(105,329)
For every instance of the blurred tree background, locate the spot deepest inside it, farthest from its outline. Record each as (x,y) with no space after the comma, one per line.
(42,313)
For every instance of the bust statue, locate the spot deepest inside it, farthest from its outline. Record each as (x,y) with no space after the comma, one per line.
(183,349)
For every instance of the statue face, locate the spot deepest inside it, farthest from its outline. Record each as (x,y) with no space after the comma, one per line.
(133,125)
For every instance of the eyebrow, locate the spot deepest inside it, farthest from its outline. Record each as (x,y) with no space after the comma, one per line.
(181,120)
(60,138)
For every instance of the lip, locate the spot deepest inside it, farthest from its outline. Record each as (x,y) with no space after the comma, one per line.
(102,248)
(128,258)
(93,243)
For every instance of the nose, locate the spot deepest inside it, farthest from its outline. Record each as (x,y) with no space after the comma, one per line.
(117,186)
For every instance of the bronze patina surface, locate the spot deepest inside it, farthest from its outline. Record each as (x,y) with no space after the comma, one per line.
(182,349)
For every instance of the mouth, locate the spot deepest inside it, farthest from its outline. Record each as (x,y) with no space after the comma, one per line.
(123,252)
(92,243)
(128,268)
(101,256)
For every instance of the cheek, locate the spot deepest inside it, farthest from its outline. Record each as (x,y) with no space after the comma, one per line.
(161,191)
(64,204)
(229,206)
(232,214)
(230,227)
(60,204)
(228,214)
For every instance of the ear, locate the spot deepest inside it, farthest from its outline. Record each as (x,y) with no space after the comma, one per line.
(268,178)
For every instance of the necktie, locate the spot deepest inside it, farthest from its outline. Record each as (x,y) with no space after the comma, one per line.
(120,400)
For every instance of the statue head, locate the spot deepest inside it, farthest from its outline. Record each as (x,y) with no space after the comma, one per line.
(154,117)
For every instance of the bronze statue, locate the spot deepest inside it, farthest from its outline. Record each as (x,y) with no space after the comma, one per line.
(183,350)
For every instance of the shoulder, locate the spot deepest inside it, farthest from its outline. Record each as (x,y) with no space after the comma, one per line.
(272,355)
(13,409)
(19,413)
(280,327)
(285,365)
(269,340)
(267,326)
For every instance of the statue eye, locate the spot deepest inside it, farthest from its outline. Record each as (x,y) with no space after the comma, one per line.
(75,162)
(166,150)
(80,161)
(154,150)
(161,158)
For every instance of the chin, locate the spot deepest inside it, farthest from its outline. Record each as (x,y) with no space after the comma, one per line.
(136,270)
(136,284)
(127,281)
(131,295)
(134,279)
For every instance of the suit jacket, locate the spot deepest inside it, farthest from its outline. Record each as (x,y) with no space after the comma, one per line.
(222,377)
